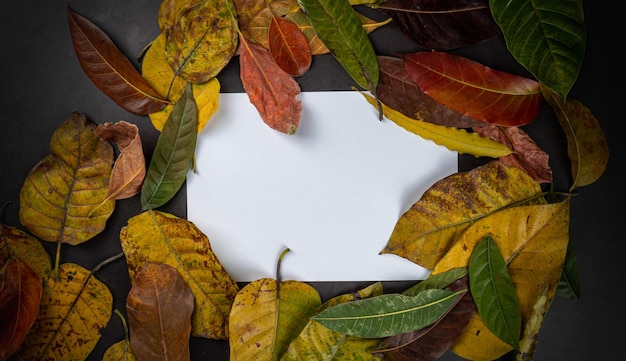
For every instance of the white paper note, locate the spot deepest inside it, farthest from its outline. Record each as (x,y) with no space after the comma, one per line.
(332,192)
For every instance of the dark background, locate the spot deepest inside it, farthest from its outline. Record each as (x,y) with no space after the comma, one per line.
(41,84)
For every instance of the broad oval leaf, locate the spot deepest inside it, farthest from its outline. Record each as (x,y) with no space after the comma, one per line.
(547,37)
(171,10)
(426,231)
(27,248)
(273,92)
(459,140)
(159,307)
(493,292)
(474,89)
(266,315)
(20,295)
(202,41)
(63,196)
(74,309)
(110,70)
(172,154)
(159,237)
(442,25)
(389,314)
(119,351)
(289,47)
(339,27)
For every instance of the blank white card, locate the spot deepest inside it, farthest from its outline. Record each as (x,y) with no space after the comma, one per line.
(331,193)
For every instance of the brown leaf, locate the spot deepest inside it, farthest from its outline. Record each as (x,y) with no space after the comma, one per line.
(129,169)
(110,70)
(473,89)
(159,307)
(20,296)
(289,47)
(430,343)
(273,92)
(442,24)
(528,156)
(397,90)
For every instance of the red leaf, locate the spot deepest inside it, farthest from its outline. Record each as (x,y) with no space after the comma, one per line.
(289,47)
(442,24)
(20,297)
(474,89)
(272,91)
(110,70)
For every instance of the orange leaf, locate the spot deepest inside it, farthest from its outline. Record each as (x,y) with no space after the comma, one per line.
(474,89)
(273,92)
(289,47)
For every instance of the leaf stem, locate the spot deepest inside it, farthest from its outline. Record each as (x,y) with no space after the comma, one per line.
(107,261)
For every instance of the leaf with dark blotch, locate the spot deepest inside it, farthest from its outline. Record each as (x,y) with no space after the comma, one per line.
(20,295)
(159,307)
(430,343)
(442,25)
(474,89)
(289,47)
(110,70)
(129,169)
(271,90)
(528,156)
(173,153)
(397,90)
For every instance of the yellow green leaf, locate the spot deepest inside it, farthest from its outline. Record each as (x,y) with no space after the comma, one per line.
(171,10)
(426,231)
(533,241)
(266,315)
(454,139)
(27,248)
(160,237)
(74,308)
(119,351)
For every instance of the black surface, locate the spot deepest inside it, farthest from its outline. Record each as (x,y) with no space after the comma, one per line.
(42,84)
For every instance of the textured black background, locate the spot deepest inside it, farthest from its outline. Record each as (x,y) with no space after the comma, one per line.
(41,84)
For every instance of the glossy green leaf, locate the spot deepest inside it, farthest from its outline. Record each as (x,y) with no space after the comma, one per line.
(173,153)
(547,37)
(341,30)
(389,314)
(440,280)
(494,292)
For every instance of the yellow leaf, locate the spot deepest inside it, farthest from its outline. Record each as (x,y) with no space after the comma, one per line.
(73,310)
(454,139)
(533,241)
(267,315)
(160,237)
(119,351)
(27,248)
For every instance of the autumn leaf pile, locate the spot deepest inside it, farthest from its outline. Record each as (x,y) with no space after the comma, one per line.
(495,237)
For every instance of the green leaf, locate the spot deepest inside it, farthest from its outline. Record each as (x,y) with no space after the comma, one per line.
(547,37)
(173,153)
(439,281)
(388,315)
(494,292)
(341,30)
(569,284)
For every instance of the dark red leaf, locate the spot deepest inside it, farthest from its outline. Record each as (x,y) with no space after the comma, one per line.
(474,89)
(272,91)
(110,70)
(442,24)
(289,47)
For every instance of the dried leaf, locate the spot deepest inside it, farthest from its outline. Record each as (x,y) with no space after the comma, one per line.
(527,156)
(266,315)
(458,140)
(289,47)
(171,10)
(27,248)
(129,169)
(426,231)
(74,309)
(254,17)
(63,196)
(110,70)
(442,25)
(172,154)
(531,332)
(273,92)
(474,89)
(163,238)
(119,351)
(159,307)
(398,91)
(20,295)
